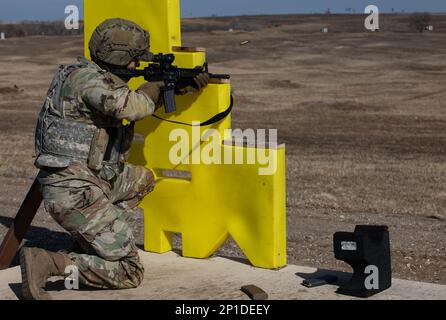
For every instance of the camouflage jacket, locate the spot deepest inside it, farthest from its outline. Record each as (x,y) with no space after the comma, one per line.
(85,105)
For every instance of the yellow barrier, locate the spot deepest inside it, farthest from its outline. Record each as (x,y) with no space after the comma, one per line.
(221,199)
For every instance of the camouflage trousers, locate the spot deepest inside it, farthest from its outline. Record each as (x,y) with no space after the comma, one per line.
(96,213)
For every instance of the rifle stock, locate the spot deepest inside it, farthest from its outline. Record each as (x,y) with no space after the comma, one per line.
(20,225)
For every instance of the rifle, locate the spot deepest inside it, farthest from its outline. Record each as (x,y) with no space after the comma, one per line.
(174,78)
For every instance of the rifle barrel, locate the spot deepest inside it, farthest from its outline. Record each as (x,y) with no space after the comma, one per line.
(219,76)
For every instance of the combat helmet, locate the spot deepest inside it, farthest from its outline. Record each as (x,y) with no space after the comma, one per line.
(118,42)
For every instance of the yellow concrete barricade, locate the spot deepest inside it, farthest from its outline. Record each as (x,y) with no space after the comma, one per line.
(223,198)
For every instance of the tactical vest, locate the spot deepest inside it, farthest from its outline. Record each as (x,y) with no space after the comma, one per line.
(60,141)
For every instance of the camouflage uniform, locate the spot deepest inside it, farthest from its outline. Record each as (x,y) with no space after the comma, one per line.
(81,148)
(93,201)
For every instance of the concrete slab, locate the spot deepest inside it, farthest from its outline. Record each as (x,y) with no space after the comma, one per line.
(170,276)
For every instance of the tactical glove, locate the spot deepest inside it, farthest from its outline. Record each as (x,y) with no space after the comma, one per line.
(201,81)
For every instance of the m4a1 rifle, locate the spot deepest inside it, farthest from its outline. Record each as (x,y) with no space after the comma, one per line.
(174,78)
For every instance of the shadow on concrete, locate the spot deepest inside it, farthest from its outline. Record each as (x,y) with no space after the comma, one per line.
(179,252)
(342,277)
(236,259)
(58,285)
(52,286)
(17,289)
(40,237)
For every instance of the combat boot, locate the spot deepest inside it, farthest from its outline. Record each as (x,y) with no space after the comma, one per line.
(37,266)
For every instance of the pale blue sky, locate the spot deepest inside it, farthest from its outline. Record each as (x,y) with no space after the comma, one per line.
(14,10)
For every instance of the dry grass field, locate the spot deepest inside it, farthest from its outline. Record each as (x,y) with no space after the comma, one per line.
(363,116)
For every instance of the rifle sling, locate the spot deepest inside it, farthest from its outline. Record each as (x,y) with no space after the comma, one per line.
(218,117)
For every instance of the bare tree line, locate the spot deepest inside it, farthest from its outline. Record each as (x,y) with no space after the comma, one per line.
(416,22)
(33,28)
